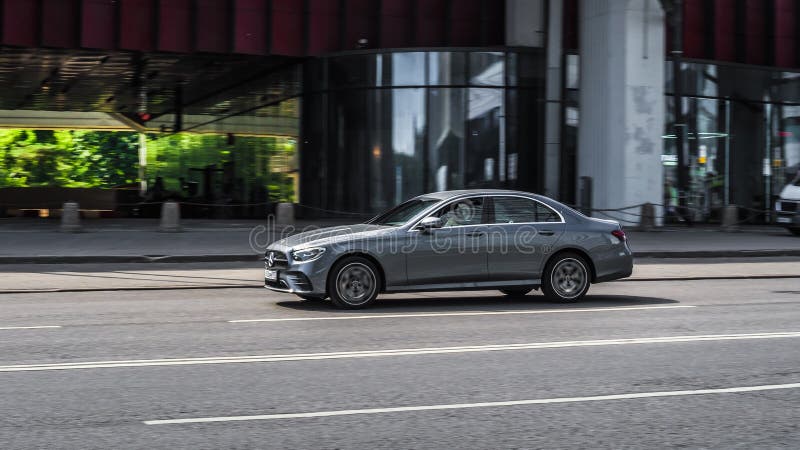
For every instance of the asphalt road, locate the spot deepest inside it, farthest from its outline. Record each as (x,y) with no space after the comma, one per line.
(638,364)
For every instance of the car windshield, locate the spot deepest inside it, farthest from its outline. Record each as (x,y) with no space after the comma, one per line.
(403,212)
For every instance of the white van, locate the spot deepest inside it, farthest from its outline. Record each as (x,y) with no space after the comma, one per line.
(788,206)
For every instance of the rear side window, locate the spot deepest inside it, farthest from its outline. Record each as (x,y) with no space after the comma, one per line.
(522,210)
(468,211)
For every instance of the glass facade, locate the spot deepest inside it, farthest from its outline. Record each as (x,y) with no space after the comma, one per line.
(379,128)
(742,143)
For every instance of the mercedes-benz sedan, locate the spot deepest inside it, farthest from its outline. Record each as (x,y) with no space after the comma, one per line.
(456,240)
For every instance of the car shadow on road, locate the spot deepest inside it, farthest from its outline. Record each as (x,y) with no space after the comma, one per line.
(436,303)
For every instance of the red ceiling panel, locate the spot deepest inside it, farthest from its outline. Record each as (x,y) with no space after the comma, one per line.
(212,26)
(97,24)
(395,23)
(785,33)
(466,23)
(755,32)
(694,29)
(60,23)
(137,25)
(724,30)
(20,19)
(360,23)
(174,26)
(250,18)
(430,23)
(323,26)
(287,27)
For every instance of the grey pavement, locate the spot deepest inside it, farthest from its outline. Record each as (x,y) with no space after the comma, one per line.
(100,406)
(138,240)
(153,276)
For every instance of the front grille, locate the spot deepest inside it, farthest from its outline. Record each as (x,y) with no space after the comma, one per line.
(279,260)
(788,206)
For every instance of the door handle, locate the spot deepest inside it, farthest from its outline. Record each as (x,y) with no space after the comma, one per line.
(547,232)
(476,234)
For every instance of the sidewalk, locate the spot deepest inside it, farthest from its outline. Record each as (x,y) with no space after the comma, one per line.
(158,276)
(138,240)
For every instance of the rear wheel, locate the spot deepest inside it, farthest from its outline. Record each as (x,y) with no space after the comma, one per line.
(566,278)
(516,291)
(353,283)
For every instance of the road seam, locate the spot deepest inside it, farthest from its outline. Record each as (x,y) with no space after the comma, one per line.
(451,406)
(386,353)
(463,313)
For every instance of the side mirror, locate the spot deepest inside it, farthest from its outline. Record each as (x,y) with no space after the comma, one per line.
(429,223)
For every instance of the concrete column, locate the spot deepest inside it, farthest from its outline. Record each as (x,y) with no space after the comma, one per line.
(552,138)
(525,24)
(622,102)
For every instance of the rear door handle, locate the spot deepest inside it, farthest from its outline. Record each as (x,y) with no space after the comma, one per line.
(547,232)
(476,234)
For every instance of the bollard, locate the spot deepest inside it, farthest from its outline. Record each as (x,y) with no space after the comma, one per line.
(730,218)
(647,221)
(170,217)
(284,214)
(70,218)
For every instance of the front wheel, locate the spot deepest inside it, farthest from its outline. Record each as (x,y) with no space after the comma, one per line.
(353,283)
(795,231)
(566,278)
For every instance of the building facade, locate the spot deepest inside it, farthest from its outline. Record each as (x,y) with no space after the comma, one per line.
(387,99)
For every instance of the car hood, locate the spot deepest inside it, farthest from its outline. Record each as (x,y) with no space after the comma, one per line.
(790,192)
(331,235)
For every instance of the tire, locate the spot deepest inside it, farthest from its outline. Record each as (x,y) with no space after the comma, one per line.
(795,231)
(566,278)
(311,298)
(353,283)
(516,291)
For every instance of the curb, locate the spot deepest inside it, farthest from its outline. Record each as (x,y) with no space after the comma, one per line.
(717,254)
(100,259)
(252,257)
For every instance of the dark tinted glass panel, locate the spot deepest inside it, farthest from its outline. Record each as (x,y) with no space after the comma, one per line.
(446,68)
(354,71)
(522,210)
(408,69)
(468,211)
(487,68)
(486,152)
(446,138)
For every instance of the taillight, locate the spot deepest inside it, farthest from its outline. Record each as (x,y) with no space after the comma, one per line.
(619,234)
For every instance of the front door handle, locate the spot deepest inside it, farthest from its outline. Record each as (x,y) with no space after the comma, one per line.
(547,232)
(476,234)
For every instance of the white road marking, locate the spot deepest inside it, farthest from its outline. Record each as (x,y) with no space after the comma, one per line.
(387,353)
(465,313)
(30,328)
(541,401)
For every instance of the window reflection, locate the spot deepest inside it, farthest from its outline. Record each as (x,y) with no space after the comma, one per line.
(366,149)
(408,69)
(487,68)
(446,68)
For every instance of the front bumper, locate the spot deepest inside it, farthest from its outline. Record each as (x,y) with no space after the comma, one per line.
(297,278)
(788,219)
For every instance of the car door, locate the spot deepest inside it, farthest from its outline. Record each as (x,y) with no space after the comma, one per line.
(454,253)
(522,231)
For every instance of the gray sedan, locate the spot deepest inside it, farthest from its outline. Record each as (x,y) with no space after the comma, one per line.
(456,240)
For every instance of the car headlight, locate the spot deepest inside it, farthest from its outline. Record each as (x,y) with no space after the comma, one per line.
(307,254)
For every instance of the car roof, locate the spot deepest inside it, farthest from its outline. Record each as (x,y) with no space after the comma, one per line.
(446,195)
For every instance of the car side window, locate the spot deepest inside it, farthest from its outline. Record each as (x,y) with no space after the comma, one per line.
(468,211)
(522,210)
